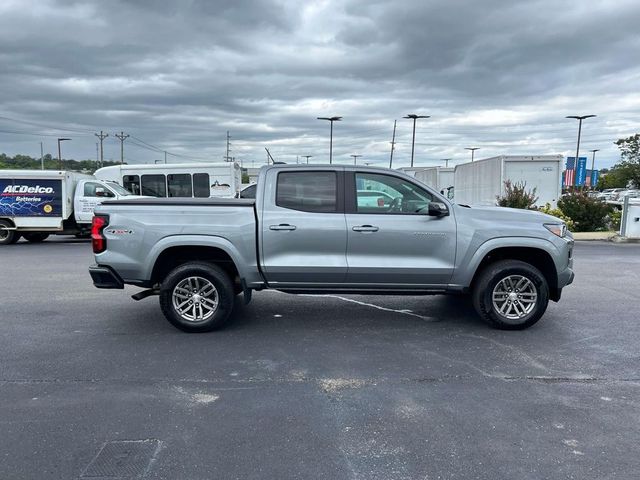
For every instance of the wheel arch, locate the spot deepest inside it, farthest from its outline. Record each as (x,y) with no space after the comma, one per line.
(180,250)
(533,255)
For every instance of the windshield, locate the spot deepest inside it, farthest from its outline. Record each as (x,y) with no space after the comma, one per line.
(123,192)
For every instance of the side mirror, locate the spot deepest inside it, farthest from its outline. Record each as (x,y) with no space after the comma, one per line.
(100,192)
(438,209)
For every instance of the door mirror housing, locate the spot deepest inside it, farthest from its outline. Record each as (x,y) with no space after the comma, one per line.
(100,192)
(438,209)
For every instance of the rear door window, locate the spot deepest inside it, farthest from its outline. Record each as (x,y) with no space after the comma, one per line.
(308,191)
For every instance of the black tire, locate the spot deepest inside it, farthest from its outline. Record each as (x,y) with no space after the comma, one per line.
(217,277)
(35,237)
(7,237)
(487,284)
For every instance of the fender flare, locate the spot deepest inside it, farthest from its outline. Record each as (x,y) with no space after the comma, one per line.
(195,241)
(469,272)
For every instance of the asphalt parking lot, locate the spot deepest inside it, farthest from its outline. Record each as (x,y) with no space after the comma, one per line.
(96,385)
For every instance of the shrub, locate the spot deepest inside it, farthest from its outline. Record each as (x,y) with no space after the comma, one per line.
(588,214)
(517,196)
(556,212)
(614,219)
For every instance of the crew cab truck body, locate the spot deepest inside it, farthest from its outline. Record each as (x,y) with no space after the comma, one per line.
(315,229)
(37,203)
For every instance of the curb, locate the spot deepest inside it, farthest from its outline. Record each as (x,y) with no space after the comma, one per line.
(602,237)
(593,236)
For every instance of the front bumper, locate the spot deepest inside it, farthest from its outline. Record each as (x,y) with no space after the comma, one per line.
(105,277)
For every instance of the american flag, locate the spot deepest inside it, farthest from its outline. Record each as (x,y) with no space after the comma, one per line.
(570,172)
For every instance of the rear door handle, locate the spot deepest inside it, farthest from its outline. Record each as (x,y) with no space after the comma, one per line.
(282,226)
(365,228)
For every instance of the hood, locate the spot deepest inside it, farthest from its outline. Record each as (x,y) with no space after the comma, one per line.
(506,214)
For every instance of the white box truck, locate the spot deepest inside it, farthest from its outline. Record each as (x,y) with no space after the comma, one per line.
(223,179)
(37,203)
(439,178)
(480,182)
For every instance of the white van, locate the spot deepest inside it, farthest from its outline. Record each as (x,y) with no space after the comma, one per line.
(177,180)
(37,203)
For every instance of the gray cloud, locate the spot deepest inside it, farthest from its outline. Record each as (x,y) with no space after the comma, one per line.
(494,74)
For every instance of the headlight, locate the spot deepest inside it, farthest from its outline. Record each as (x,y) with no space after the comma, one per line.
(559,229)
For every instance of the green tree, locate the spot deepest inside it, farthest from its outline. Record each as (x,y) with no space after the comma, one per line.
(630,164)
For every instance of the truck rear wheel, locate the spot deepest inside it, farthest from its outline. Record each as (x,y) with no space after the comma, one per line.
(511,295)
(35,237)
(7,237)
(197,297)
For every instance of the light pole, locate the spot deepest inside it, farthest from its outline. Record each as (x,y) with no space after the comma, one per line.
(355,159)
(307,157)
(580,118)
(593,162)
(413,141)
(473,150)
(446,162)
(331,120)
(59,154)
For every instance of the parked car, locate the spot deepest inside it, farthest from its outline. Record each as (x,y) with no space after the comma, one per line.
(608,193)
(309,230)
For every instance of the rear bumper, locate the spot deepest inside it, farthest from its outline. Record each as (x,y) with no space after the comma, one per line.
(105,277)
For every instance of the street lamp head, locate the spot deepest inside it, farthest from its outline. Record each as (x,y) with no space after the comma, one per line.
(331,119)
(414,116)
(580,117)
(472,148)
(595,150)
(63,139)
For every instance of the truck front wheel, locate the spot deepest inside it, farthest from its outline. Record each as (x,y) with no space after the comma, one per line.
(511,295)
(7,237)
(197,297)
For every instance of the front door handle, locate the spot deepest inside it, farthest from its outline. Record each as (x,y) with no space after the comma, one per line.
(365,228)
(282,226)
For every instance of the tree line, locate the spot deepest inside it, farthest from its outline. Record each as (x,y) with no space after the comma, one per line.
(25,162)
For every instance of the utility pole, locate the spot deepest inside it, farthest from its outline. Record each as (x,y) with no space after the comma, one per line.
(393,144)
(41,157)
(101,136)
(227,157)
(97,156)
(307,157)
(165,157)
(297,160)
(355,159)
(122,137)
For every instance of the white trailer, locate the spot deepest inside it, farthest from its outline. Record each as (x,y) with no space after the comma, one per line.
(480,182)
(223,179)
(37,203)
(439,178)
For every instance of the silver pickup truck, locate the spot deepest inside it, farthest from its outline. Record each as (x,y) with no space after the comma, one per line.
(328,229)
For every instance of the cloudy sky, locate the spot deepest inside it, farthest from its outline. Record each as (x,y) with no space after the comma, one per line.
(177,75)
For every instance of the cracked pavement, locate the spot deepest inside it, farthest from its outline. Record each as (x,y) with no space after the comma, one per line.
(353,387)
